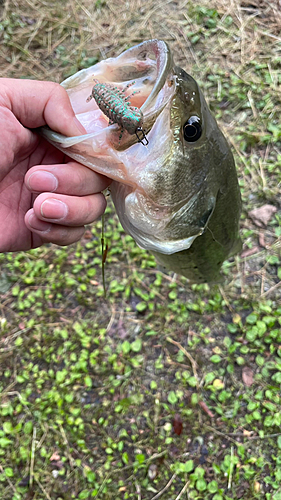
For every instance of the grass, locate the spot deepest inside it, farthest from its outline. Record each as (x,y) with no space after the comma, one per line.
(161,390)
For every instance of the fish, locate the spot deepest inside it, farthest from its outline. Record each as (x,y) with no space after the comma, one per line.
(177,194)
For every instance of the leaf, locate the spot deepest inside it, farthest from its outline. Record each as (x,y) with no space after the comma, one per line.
(28,427)
(177,424)
(15,290)
(247,376)
(60,376)
(4,442)
(218,384)
(88,381)
(141,306)
(251,319)
(140,458)
(9,472)
(259,360)
(209,377)
(277,378)
(192,381)
(250,251)
(136,345)
(215,358)
(126,347)
(188,466)
(125,458)
(201,485)
(213,486)
(261,216)
(172,397)
(7,427)
(206,409)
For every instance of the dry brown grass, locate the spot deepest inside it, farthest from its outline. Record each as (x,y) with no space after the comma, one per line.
(33,30)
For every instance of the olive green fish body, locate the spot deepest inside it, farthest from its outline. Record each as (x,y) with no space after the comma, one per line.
(220,240)
(210,175)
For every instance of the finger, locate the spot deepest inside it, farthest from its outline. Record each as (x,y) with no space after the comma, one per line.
(70,178)
(52,233)
(37,103)
(69,210)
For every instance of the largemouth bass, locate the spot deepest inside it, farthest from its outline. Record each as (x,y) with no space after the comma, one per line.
(149,129)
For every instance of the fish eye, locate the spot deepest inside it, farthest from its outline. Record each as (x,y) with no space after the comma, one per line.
(192,129)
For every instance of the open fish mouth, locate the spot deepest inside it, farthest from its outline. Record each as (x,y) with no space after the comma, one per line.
(144,78)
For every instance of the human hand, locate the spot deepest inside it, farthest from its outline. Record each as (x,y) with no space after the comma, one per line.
(44,195)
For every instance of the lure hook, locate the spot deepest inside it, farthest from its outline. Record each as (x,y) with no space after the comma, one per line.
(143,138)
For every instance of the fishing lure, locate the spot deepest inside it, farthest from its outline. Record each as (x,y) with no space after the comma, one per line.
(116,106)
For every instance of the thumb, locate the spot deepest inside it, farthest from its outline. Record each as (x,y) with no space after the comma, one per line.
(36,103)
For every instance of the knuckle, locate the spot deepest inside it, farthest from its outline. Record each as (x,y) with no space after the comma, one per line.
(96,205)
(57,88)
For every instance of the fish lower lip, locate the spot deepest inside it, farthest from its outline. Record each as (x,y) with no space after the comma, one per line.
(170,247)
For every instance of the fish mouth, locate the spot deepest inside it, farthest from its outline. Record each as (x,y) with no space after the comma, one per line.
(144,76)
